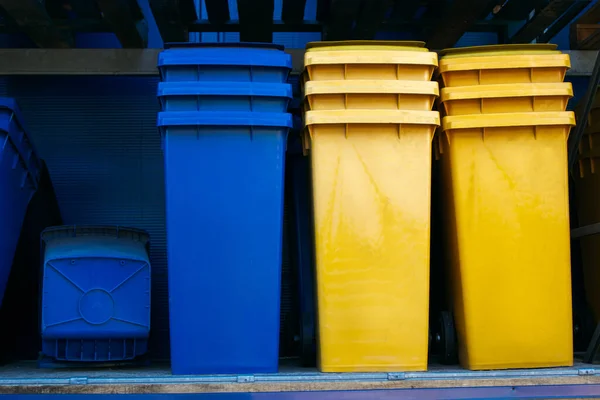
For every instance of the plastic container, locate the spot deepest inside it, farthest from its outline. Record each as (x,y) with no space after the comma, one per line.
(95,293)
(224,62)
(224,191)
(371,60)
(372,237)
(491,99)
(490,65)
(224,96)
(19,177)
(507,221)
(372,94)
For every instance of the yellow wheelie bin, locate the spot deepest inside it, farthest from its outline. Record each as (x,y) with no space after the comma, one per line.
(371,174)
(507,220)
(379,60)
(498,64)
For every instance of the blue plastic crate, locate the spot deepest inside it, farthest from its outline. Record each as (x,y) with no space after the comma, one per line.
(225,62)
(224,96)
(19,177)
(224,190)
(95,293)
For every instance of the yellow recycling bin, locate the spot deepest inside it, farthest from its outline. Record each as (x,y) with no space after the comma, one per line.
(506,98)
(507,210)
(370,94)
(380,60)
(371,172)
(489,65)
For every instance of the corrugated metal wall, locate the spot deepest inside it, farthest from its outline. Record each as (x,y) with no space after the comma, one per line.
(98,136)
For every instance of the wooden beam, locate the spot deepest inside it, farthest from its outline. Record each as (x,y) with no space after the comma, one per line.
(256,20)
(32,18)
(121,17)
(169,21)
(563,20)
(542,19)
(343,15)
(591,17)
(517,10)
(462,15)
(370,17)
(293,10)
(217,10)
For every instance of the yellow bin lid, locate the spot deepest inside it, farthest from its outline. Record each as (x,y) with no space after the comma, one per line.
(506,90)
(371,87)
(500,50)
(394,45)
(508,120)
(371,117)
(369,52)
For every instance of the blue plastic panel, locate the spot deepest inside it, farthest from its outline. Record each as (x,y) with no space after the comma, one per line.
(224,183)
(96,293)
(218,62)
(224,96)
(19,177)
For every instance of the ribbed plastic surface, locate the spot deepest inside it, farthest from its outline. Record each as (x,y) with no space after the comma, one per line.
(219,62)
(224,96)
(95,293)
(224,177)
(98,137)
(19,177)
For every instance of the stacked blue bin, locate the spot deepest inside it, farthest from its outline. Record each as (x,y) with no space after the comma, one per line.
(224,127)
(19,178)
(95,294)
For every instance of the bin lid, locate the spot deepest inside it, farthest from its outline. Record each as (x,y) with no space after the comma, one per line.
(394,45)
(264,56)
(203,118)
(241,45)
(500,50)
(224,89)
(372,117)
(506,90)
(371,87)
(69,231)
(565,118)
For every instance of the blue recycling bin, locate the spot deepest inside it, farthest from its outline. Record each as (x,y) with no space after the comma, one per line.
(19,178)
(224,96)
(95,293)
(224,175)
(224,62)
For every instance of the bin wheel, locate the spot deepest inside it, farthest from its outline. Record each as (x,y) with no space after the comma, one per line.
(446,338)
(584,326)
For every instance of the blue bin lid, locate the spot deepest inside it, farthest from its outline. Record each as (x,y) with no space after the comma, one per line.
(211,54)
(225,89)
(199,118)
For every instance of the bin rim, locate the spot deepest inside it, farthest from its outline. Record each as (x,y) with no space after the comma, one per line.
(75,229)
(240,45)
(477,121)
(343,45)
(216,57)
(506,90)
(334,57)
(371,87)
(224,89)
(224,118)
(395,117)
(504,62)
(500,49)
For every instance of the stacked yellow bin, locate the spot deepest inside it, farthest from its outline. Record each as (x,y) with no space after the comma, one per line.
(369,127)
(587,184)
(504,157)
